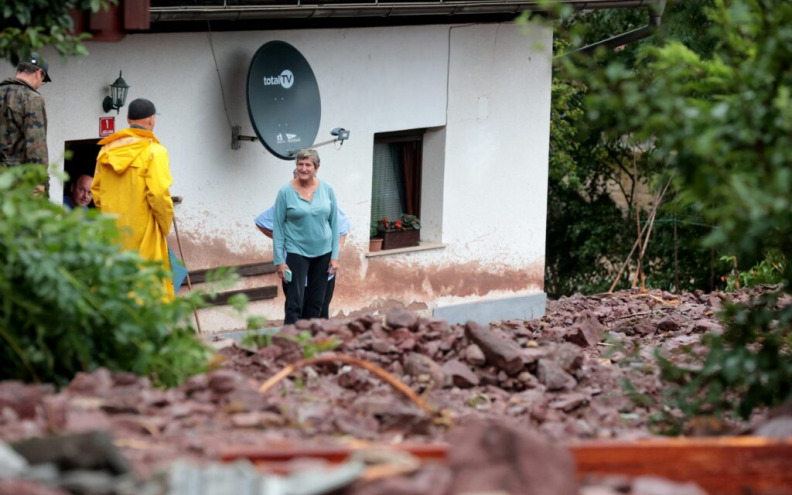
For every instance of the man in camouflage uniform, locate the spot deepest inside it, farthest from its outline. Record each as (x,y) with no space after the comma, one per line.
(23,117)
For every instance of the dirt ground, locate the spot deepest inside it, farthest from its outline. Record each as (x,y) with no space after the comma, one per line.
(560,377)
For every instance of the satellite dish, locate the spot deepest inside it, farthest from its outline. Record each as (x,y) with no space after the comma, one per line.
(283,99)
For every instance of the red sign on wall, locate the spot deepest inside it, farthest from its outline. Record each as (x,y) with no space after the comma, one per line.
(106,126)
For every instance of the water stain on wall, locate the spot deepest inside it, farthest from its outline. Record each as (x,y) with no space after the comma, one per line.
(206,251)
(391,281)
(378,284)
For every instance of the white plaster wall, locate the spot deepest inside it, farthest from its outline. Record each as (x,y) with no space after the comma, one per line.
(489,85)
(370,80)
(498,143)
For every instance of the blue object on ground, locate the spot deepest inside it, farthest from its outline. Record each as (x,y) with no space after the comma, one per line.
(178,269)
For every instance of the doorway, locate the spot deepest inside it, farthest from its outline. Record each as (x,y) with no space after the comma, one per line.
(80,160)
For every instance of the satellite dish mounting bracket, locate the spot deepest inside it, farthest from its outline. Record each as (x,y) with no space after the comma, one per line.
(236,137)
(340,134)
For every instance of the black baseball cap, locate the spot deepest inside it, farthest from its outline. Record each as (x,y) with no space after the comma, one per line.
(140,108)
(41,63)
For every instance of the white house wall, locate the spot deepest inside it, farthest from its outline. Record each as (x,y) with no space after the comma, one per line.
(483,91)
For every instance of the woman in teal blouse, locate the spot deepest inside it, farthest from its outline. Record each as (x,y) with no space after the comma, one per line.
(306,230)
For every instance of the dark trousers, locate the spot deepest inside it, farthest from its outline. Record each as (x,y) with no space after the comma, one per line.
(327,298)
(305,301)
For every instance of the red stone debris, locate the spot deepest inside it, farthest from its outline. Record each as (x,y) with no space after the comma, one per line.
(499,405)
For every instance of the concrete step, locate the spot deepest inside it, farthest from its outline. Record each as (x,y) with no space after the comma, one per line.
(257,281)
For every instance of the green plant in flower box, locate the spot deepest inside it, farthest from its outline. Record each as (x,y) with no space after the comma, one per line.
(404,222)
(400,233)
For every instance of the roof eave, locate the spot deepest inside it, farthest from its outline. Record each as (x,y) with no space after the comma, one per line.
(373,8)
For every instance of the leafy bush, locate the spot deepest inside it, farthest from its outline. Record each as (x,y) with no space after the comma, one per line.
(721,120)
(595,182)
(73,301)
(769,271)
(29,26)
(746,367)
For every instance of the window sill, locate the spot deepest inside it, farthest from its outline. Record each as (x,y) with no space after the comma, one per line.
(423,246)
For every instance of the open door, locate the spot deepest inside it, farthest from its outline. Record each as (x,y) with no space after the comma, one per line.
(80,160)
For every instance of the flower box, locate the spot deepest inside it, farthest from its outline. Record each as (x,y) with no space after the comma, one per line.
(395,239)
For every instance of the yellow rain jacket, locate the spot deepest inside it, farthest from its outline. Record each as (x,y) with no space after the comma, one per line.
(131,180)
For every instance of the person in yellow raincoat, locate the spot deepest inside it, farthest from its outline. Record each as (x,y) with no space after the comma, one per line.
(132,181)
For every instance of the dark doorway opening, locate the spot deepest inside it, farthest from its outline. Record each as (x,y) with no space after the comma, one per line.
(80,160)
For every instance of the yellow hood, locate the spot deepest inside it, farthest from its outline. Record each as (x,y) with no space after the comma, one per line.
(121,150)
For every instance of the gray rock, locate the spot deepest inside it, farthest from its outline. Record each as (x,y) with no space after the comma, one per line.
(224,381)
(88,482)
(499,457)
(416,365)
(569,402)
(568,356)
(94,450)
(552,376)
(780,427)
(23,399)
(11,463)
(652,485)
(460,375)
(587,331)
(504,354)
(399,317)
(668,324)
(708,326)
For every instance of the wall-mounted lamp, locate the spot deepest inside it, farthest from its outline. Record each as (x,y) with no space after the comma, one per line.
(118,94)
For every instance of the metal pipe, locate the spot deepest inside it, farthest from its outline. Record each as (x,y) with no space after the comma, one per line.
(655,18)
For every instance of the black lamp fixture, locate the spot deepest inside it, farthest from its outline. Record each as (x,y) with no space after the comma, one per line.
(118,94)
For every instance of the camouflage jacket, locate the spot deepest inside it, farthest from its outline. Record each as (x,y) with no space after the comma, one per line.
(23,124)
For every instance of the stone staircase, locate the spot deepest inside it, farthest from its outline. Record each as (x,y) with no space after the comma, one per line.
(257,281)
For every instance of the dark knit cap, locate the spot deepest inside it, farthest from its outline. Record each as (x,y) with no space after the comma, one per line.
(140,108)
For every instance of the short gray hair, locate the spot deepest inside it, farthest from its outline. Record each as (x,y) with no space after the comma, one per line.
(309,153)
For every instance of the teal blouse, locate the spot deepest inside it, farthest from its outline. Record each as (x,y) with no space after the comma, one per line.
(307,228)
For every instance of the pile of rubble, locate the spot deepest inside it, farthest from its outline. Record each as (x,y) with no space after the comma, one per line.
(560,377)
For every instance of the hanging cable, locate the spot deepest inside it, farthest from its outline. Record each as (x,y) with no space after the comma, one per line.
(219,78)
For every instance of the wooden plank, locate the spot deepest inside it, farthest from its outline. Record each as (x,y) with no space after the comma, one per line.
(280,459)
(721,466)
(248,270)
(255,294)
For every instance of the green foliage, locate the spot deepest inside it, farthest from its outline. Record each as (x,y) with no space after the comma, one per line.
(769,271)
(29,25)
(746,367)
(597,176)
(73,301)
(583,242)
(313,346)
(256,340)
(404,222)
(721,120)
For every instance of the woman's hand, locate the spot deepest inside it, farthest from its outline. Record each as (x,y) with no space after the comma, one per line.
(281,270)
(333,267)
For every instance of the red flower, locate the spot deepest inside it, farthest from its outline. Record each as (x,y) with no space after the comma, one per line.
(398,224)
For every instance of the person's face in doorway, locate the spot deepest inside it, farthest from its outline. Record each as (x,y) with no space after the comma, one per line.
(81,191)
